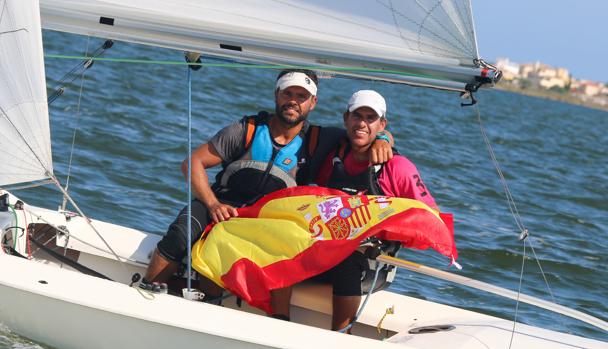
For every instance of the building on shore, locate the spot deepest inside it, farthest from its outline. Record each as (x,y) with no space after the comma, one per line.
(545,76)
(537,77)
(588,88)
(510,70)
(535,74)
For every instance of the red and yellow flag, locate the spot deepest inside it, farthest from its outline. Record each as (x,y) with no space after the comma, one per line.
(296,233)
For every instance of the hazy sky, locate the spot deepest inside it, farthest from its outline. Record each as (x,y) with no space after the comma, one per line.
(571,34)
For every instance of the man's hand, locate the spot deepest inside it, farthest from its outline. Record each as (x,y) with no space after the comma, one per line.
(220,212)
(381,152)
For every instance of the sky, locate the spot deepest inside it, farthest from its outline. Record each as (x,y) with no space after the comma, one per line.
(562,33)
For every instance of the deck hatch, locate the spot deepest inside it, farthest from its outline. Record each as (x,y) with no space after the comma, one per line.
(431,329)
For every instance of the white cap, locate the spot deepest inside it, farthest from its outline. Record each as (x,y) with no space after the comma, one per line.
(368,98)
(297,79)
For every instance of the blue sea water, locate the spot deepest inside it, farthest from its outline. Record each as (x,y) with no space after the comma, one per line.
(131,138)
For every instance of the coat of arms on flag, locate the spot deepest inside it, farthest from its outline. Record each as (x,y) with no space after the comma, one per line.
(296,233)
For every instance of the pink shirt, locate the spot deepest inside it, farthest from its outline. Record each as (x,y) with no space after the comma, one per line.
(399,177)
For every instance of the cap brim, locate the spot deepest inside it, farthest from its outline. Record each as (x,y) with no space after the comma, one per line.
(356,106)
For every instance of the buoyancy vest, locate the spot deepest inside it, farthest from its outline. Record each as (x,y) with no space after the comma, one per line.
(264,167)
(367,183)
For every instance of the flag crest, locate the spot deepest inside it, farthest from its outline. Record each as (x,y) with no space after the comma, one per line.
(296,233)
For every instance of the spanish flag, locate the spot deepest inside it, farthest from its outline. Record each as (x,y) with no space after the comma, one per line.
(296,233)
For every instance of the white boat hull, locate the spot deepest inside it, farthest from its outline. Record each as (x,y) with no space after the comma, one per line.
(51,304)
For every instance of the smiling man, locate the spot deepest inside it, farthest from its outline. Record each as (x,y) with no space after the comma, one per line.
(348,168)
(260,154)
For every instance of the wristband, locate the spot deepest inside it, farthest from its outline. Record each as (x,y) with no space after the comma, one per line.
(383,136)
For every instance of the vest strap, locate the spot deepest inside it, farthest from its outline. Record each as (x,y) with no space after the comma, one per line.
(250,131)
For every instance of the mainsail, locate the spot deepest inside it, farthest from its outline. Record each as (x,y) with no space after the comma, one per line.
(421,42)
(25,143)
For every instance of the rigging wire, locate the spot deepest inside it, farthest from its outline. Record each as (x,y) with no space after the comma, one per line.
(524,235)
(67,181)
(52,177)
(67,233)
(521,278)
(561,318)
(79,69)
(509,196)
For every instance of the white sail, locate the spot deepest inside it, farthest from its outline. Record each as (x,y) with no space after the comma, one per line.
(25,145)
(422,42)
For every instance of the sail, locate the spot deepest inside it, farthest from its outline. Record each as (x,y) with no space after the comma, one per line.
(25,142)
(420,42)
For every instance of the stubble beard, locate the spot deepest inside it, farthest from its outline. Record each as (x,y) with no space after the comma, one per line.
(287,121)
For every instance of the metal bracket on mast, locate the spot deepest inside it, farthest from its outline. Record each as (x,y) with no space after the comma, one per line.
(523,235)
(194,60)
(489,75)
(468,95)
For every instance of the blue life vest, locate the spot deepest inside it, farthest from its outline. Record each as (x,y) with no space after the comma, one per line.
(263,167)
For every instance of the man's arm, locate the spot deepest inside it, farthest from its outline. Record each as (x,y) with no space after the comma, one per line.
(381,150)
(206,156)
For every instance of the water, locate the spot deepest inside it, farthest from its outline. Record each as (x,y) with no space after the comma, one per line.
(132,138)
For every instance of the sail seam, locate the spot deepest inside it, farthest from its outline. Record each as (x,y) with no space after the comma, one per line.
(430,15)
(25,153)
(449,54)
(26,143)
(328,16)
(2,13)
(393,14)
(23,159)
(19,45)
(465,45)
(466,22)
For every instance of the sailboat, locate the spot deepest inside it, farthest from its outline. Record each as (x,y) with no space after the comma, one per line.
(67,280)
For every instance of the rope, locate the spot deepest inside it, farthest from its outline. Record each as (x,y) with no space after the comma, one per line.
(369,293)
(189,269)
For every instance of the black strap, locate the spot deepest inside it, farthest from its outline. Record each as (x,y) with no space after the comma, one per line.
(264,178)
(81,268)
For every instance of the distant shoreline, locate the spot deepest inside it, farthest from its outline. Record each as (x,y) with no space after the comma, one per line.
(548,94)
